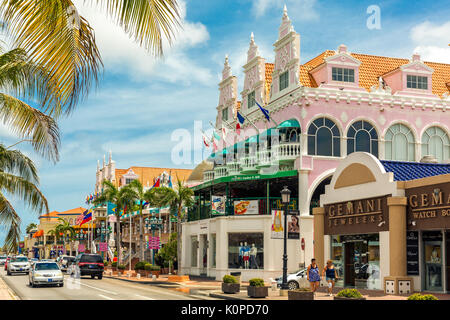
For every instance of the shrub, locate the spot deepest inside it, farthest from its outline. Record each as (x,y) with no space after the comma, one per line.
(349,293)
(105,263)
(155,268)
(418,296)
(140,265)
(121,267)
(229,279)
(114,264)
(256,282)
(166,264)
(148,267)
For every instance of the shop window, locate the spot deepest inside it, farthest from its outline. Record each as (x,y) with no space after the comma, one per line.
(251,102)
(194,251)
(246,250)
(225,114)
(436,142)
(399,143)
(324,138)
(284,80)
(417,82)
(432,244)
(362,136)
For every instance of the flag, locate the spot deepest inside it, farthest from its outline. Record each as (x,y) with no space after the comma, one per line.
(170,182)
(216,135)
(238,128)
(205,142)
(87,217)
(157,184)
(264,111)
(240,118)
(79,218)
(224,132)
(215,146)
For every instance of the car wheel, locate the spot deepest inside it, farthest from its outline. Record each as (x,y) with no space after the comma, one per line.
(292,285)
(92,276)
(100,276)
(8,273)
(61,284)
(33,285)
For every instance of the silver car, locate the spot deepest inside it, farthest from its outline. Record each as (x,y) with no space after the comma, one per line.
(293,279)
(18,265)
(46,273)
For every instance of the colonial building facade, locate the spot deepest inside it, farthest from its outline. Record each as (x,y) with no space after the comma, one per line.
(321,110)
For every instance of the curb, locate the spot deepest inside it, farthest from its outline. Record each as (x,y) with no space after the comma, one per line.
(226,297)
(157,283)
(11,292)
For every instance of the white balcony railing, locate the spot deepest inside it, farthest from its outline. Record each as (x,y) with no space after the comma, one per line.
(264,158)
(234,167)
(220,171)
(208,175)
(248,164)
(287,151)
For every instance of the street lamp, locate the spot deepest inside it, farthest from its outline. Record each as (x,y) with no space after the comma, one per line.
(285,199)
(155,224)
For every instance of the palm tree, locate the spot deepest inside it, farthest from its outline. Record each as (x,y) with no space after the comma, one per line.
(63,43)
(65,229)
(122,198)
(178,198)
(22,80)
(139,195)
(30,227)
(18,177)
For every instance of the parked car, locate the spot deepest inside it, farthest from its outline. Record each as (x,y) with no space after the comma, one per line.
(64,261)
(293,279)
(87,265)
(18,265)
(2,260)
(46,273)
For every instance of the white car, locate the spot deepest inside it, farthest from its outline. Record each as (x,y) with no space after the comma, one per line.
(46,273)
(2,260)
(293,279)
(18,265)
(64,262)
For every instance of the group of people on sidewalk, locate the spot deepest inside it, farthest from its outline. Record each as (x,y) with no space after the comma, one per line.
(329,272)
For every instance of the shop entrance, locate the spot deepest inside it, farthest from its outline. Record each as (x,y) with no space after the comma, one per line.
(433,253)
(357,259)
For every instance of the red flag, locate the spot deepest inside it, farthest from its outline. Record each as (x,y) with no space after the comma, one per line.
(205,142)
(238,128)
(215,146)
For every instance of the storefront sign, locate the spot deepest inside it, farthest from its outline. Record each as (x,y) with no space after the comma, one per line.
(246,207)
(412,253)
(357,216)
(218,205)
(429,207)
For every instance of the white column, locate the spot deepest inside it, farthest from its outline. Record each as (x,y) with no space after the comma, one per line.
(303,192)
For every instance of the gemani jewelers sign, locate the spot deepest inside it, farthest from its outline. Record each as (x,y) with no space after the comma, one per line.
(357,216)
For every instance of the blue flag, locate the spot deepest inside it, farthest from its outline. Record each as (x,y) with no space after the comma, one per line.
(240,118)
(265,111)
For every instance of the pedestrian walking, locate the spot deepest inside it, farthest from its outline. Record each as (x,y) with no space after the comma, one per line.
(330,273)
(313,275)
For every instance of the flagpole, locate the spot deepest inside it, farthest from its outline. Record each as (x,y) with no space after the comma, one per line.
(257,130)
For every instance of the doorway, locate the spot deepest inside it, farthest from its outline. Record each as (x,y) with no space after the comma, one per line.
(433,253)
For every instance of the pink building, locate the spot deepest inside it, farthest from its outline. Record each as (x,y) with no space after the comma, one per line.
(337,103)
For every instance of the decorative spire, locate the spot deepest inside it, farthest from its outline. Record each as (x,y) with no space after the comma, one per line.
(252,38)
(98,165)
(253,49)
(104,160)
(285,14)
(226,72)
(110,156)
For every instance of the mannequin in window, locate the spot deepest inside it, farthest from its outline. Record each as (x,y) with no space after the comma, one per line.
(246,255)
(434,256)
(253,253)
(241,255)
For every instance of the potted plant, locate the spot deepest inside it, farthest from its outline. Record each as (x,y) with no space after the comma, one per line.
(418,296)
(165,269)
(256,289)
(121,268)
(148,269)
(114,266)
(349,294)
(230,284)
(301,294)
(140,267)
(105,263)
(156,270)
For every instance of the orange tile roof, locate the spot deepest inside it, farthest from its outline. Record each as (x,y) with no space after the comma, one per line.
(269,71)
(372,67)
(53,214)
(78,210)
(147,175)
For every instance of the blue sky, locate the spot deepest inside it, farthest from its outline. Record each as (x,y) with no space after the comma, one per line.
(141,100)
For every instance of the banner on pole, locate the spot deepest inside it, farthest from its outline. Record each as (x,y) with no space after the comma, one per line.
(103,247)
(277,224)
(81,248)
(154,243)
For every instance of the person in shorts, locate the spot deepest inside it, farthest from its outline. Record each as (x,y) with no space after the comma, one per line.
(331,275)
(313,275)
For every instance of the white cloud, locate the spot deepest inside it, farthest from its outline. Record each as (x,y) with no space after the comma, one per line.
(301,9)
(123,55)
(432,41)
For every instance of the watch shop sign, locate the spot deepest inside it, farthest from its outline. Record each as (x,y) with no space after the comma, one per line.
(357,216)
(429,207)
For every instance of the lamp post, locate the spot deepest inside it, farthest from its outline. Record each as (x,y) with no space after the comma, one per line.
(285,199)
(155,224)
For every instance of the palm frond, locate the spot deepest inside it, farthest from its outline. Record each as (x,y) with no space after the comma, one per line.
(15,162)
(148,22)
(28,122)
(9,217)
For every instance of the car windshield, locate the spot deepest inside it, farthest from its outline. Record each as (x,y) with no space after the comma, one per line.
(92,259)
(47,266)
(19,259)
(69,258)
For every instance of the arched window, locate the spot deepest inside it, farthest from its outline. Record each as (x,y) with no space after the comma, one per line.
(399,143)
(435,142)
(324,138)
(362,136)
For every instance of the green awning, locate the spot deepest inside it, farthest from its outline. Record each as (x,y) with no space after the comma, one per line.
(291,123)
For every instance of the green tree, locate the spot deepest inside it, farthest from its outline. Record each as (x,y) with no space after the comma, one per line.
(30,227)
(122,198)
(169,251)
(18,177)
(62,42)
(65,229)
(179,198)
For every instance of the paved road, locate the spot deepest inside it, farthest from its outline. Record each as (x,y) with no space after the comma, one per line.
(91,289)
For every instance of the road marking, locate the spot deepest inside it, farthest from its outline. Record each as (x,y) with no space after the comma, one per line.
(105,297)
(107,291)
(144,297)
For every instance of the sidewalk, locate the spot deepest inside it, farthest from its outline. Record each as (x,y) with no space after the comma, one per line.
(5,292)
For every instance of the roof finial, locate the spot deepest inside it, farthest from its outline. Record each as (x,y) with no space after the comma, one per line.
(110,156)
(252,38)
(285,11)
